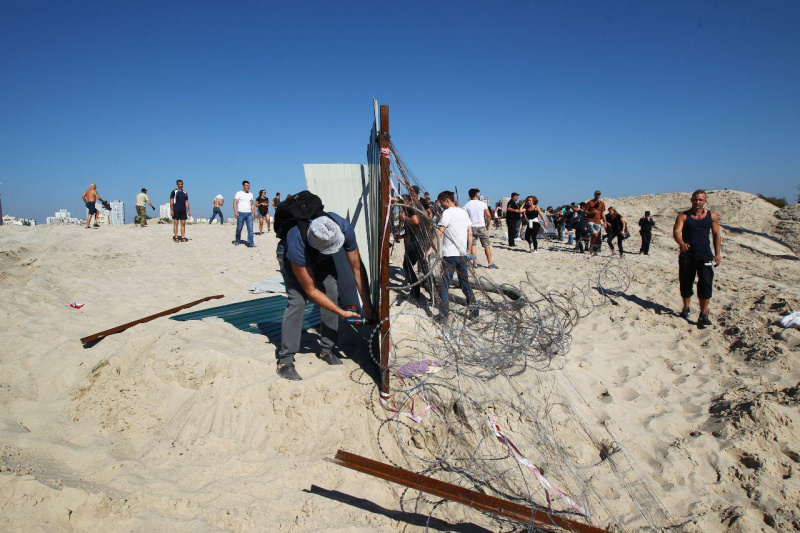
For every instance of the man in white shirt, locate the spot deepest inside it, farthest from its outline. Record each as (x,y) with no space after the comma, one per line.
(244,209)
(455,230)
(480,217)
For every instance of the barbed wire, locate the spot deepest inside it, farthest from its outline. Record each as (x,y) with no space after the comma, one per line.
(484,402)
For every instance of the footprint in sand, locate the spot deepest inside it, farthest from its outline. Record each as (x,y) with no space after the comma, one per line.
(628,394)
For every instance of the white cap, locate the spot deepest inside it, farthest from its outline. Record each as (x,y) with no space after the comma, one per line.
(325,235)
(219,197)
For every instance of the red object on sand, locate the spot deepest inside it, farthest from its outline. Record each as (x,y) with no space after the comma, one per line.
(76,305)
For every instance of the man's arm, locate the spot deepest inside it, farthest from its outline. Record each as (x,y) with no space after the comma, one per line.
(235,203)
(188,210)
(487,216)
(362,282)
(717,235)
(253,208)
(469,237)
(172,205)
(305,276)
(677,232)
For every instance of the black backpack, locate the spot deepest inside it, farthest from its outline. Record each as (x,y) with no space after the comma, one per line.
(299,210)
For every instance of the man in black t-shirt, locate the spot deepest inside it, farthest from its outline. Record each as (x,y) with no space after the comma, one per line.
(179,209)
(513,217)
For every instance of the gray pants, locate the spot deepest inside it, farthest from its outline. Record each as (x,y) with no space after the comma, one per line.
(326,280)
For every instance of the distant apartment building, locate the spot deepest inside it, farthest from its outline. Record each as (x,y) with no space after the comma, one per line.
(1,210)
(62,216)
(8,220)
(163,211)
(117,213)
(201,220)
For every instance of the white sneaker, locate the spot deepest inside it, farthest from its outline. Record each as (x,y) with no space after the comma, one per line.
(536,251)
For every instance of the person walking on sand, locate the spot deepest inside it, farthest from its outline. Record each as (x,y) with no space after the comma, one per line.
(244,209)
(595,220)
(513,217)
(276,201)
(455,230)
(646,225)
(90,198)
(219,201)
(696,259)
(535,218)
(141,208)
(480,217)
(617,227)
(262,205)
(180,211)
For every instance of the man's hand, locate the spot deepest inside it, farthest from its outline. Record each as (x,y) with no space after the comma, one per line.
(369,312)
(349,314)
(683,247)
(717,260)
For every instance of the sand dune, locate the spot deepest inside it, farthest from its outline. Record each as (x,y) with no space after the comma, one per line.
(185,426)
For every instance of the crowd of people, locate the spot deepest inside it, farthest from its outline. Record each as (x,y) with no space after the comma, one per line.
(309,238)
(246,209)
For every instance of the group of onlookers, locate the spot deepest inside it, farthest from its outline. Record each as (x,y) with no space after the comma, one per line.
(583,223)
(246,209)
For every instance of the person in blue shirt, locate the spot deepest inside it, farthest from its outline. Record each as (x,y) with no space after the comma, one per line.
(309,272)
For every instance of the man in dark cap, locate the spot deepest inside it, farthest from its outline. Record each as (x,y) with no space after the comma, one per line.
(141,208)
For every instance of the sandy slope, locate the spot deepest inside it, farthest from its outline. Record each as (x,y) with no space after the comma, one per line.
(185,425)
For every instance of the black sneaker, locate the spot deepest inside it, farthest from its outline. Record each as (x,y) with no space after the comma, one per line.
(288,372)
(685,313)
(703,320)
(330,358)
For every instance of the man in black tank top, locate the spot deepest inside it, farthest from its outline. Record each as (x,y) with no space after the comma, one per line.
(696,259)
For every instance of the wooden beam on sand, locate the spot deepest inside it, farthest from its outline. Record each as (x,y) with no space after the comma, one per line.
(123,327)
(474,499)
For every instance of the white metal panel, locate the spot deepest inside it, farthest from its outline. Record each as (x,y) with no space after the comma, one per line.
(344,190)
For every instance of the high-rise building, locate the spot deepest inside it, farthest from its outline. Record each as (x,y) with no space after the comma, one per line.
(117,213)
(163,211)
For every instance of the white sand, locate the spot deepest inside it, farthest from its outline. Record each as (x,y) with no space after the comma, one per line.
(185,426)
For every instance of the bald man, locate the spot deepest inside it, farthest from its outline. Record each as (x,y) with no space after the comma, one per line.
(90,197)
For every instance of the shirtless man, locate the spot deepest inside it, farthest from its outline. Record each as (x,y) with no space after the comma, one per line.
(90,197)
(696,259)
(218,202)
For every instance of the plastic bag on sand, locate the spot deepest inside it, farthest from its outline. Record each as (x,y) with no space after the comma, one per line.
(792,320)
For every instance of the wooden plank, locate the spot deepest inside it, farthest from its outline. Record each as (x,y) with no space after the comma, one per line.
(383,311)
(471,498)
(123,327)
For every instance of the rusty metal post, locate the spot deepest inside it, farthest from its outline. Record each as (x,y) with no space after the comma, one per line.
(476,500)
(383,312)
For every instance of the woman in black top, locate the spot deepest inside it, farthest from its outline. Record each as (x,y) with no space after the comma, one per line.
(616,228)
(534,217)
(262,205)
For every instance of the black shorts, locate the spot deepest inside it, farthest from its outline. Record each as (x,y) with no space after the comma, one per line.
(92,208)
(700,267)
(179,215)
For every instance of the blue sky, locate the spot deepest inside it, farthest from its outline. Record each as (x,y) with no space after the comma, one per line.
(554,99)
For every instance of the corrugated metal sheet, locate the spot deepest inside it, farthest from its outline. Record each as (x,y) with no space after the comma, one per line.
(260,316)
